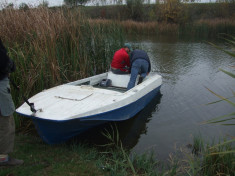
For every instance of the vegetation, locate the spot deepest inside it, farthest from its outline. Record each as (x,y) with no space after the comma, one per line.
(171,11)
(23,6)
(227,119)
(42,159)
(217,159)
(172,17)
(56,45)
(53,47)
(75,3)
(78,159)
(210,159)
(135,8)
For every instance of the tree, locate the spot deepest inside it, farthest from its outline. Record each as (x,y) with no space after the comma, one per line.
(10,6)
(118,2)
(74,3)
(44,4)
(99,2)
(135,8)
(171,11)
(23,6)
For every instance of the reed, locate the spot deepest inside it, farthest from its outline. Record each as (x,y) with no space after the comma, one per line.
(212,159)
(131,27)
(212,28)
(197,145)
(217,160)
(174,18)
(119,160)
(134,27)
(204,29)
(51,47)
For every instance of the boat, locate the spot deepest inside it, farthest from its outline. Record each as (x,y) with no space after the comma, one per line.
(70,109)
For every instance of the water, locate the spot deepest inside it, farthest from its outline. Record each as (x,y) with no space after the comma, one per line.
(187,68)
(175,115)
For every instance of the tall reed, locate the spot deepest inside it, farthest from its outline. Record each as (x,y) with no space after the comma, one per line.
(119,160)
(211,159)
(207,28)
(199,29)
(149,27)
(51,47)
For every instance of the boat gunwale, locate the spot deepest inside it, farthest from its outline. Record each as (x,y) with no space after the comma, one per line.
(128,94)
(86,118)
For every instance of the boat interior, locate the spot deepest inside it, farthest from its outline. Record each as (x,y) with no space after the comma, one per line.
(107,80)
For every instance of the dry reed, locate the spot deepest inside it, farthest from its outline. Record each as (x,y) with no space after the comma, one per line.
(51,47)
(216,22)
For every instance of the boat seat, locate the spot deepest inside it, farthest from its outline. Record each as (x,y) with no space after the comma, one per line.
(119,80)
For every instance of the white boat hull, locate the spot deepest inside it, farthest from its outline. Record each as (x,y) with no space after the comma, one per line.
(67,110)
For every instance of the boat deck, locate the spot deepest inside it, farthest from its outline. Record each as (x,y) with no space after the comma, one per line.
(86,97)
(71,101)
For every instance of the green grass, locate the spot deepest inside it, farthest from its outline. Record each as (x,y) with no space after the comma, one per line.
(58,160)
(211,159)
(79,158)
(76,159)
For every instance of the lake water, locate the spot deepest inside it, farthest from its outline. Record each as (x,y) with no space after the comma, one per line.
(175,115)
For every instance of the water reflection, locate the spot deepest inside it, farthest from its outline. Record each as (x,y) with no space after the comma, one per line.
(129,130)
(132,129)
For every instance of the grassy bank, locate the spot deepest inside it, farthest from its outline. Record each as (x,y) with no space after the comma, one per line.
(74,158)
(59,160)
